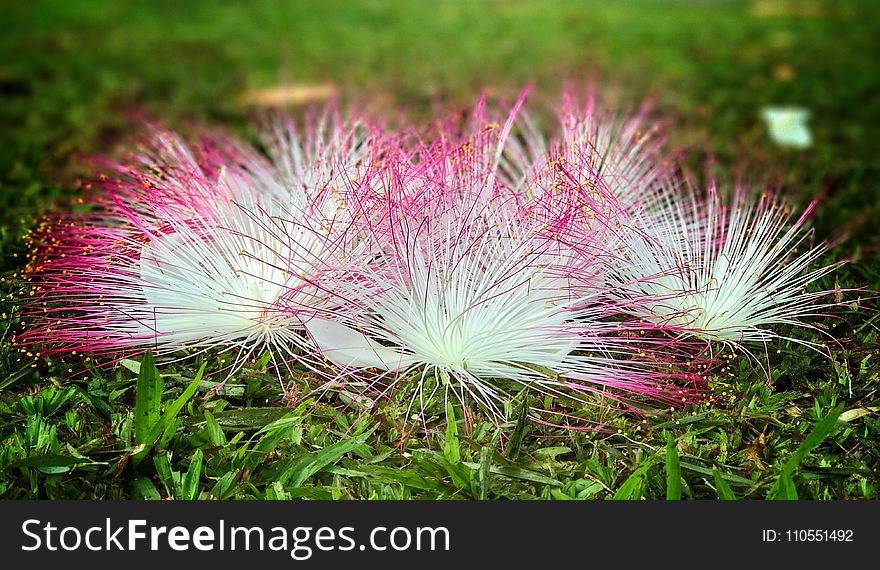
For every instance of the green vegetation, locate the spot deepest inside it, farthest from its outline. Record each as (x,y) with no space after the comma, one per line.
(77,78)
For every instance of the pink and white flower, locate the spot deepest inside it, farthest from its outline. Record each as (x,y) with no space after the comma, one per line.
(730,273)
(473,294)
(225,250)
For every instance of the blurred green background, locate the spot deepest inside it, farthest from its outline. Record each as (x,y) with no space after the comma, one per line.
(77,78)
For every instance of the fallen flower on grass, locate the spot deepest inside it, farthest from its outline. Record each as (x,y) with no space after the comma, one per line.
(728,270)
(472,296)
(472,263)
(219,250)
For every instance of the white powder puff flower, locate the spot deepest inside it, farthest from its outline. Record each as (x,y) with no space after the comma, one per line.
(726,273)
(473,297)
(199,249)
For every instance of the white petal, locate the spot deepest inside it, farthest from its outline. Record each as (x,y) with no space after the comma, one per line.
(347,347)
(182,300)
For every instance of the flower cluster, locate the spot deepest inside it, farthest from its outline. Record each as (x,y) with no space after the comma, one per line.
(473,262)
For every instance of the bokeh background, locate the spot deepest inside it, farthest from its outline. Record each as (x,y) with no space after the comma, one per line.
(77,79)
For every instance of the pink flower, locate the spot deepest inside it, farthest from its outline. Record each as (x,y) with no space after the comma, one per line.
(473,293)
(221,249)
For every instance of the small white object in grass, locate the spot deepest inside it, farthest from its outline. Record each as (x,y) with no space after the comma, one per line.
(788,126)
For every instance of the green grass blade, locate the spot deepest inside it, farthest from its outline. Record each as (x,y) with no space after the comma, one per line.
(517,473)
(267,444)
(225,486)
(249,419)
(276,492)
(673,470)
(309,464)
(171,413)
(52,460)
(631,489)
(729,478)
(485,469)
(148,401)
(213,430)
(522,426)
(143,489)
(189,488)
(170,479)
(451,447)
(784,487)
(404,477)
(722,488)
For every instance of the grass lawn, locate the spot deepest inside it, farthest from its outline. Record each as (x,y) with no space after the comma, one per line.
(77,78)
